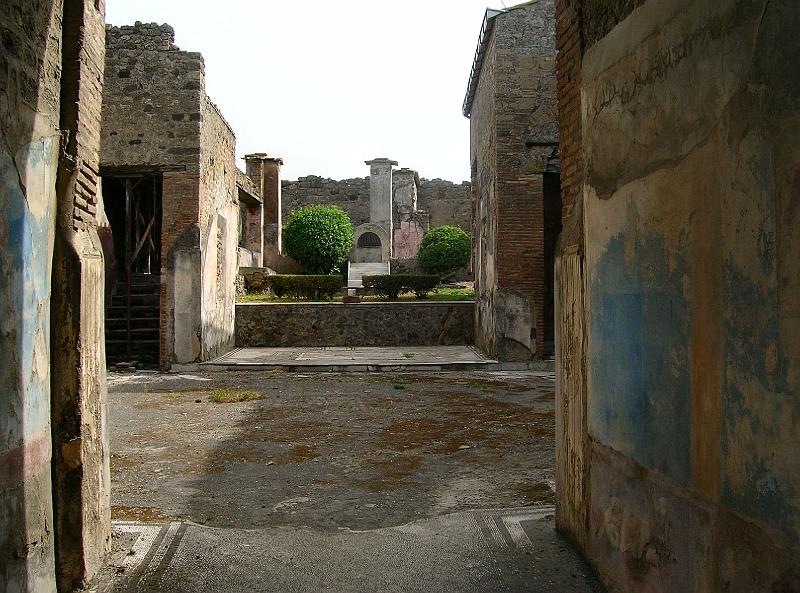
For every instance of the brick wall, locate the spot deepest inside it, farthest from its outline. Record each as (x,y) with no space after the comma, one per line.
(572,467)
(570,51)
(81,491)
(515,103)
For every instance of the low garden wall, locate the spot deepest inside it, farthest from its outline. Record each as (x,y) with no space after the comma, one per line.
(432,323)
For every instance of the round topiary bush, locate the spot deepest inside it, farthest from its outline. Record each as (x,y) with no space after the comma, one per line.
(444,249)
(319,237)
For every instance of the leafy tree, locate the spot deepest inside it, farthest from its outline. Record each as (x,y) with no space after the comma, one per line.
(319,237)
(444,249)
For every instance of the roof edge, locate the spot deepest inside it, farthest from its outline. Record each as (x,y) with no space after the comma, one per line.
(477,64)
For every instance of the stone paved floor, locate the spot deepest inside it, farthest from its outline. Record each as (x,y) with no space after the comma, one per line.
(511,550)
(336,482)
(357,358)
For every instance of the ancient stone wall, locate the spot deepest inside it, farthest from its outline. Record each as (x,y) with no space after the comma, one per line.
(516,102)
(690,143)
(157,118)
(153,99)
(364,324)
(152,111)
(483,159)
(219,231)
(447,203)
(351,195)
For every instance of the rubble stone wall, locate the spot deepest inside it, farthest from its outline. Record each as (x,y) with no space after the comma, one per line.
(446,203)
(363,324)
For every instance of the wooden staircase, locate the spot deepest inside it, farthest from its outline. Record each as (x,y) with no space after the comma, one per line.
(144,313)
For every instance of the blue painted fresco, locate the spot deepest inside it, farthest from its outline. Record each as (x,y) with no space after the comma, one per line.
(766,480)
(26,235)
(640,326)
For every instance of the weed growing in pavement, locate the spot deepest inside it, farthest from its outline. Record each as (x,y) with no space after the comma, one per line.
(229,396)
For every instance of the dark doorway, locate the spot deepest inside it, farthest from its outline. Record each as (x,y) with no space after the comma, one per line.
(552,229)
(132,247)
(368,249)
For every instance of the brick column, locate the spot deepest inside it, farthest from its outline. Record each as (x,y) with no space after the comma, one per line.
(265,171)
(81,481)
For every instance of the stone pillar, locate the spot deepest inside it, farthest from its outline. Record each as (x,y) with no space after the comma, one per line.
(405,183)
(265,171)
(409,225)
(380,190)
(380,194)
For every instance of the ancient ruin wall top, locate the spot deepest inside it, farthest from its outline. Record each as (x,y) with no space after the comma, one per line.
(142,37)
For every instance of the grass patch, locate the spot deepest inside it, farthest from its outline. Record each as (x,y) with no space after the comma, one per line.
(399,384)
(408,355)
(446,293)
(230,396)
(443,293)
(263,297)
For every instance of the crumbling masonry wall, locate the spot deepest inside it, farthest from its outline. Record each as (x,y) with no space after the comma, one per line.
(514,136)
(483,150)
(678,468)
(219,231)
(446,203)
(157,118)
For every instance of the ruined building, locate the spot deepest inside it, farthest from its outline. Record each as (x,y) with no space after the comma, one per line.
(512,106)
(678,362)
(171,198)
(678,316)
(395,227)
(444,202)
(387,209)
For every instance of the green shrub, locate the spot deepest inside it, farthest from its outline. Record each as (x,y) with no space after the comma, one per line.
(444,249)
(391,285)
(319,237)
(388,285)
(421,284)
(306,287)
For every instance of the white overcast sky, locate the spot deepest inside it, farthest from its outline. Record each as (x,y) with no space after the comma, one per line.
(327,85)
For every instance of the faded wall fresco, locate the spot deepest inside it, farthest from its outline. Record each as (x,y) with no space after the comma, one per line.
(692,149)
(29,144)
